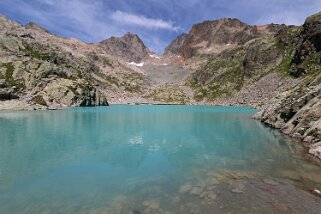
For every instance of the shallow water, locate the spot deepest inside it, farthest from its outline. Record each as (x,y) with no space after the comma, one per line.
(151,159)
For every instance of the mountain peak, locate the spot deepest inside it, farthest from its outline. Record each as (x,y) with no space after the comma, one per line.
(129,47)
(34,26)
(214,36)
(130,35)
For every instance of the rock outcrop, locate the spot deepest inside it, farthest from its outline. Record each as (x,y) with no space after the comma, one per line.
(297,112)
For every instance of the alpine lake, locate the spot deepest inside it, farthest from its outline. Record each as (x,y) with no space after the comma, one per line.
(152,159)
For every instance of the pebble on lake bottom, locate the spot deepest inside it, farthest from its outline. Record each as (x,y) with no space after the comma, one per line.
(152,204)
(185,188)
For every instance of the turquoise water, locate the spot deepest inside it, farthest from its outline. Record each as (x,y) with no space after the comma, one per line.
(150,159)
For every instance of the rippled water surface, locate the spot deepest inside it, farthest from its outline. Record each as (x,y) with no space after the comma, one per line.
(151,159)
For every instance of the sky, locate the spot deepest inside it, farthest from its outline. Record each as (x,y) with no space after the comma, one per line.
(157,22)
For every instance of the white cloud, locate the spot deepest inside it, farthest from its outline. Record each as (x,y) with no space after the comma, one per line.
(131,19)
(72,18)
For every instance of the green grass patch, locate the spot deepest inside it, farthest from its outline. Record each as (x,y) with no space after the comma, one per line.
(8,76)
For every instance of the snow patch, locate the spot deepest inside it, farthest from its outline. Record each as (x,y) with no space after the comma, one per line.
(137,64)
(154,56)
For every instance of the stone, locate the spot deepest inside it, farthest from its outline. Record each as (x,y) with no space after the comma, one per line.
(176,200)
(211,196)
(309,139)
(239,187)
(316,191)
(185,188)
(270,182)
(204,194)
(297,135)
(236,190)
(196,190)
(316,150)
(152,204)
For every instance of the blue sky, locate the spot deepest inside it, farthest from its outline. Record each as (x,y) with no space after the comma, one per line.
(157,22)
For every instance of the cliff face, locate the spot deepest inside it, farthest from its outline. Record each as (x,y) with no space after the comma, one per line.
(212,37)
(176,45)
(297,112)
(128,47)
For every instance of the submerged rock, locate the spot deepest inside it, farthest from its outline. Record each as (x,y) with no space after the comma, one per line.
(196,190)
(270,181)
(185,188)
(152,204)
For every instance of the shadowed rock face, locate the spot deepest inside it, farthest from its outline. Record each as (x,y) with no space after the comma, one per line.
(128,47)
(176,45)
(310,39)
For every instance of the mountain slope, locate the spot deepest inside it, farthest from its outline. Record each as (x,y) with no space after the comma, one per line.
(40,70)
(235,70)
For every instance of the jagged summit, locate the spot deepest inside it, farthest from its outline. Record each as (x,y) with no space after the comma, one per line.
(128,47)
(212,37)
